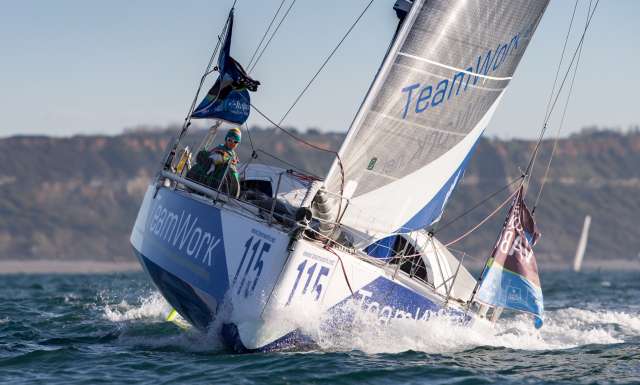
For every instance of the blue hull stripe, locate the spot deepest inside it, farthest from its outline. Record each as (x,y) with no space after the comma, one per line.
(185,237)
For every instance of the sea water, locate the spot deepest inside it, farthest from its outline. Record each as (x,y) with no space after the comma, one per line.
(88,329)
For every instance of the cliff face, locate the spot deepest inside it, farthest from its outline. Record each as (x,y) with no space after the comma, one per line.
(594,173)
(73,197)
(77,198)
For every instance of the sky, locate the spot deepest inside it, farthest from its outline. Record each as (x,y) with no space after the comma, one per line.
(72,67)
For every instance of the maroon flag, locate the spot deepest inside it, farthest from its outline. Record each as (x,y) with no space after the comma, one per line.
(514,249)
(511,276)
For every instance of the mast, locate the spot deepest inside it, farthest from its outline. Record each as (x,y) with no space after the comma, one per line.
(407,18)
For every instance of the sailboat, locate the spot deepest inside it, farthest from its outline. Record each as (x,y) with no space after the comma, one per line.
(582,244)
(258,263)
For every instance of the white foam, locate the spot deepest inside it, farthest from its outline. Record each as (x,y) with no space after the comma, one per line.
(630,323)
(563,329)
(155,308)
(152,307)
(71,298)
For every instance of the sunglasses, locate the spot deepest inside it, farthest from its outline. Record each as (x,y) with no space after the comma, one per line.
(231,140)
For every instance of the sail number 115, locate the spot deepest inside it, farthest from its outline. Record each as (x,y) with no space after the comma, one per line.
(313,273)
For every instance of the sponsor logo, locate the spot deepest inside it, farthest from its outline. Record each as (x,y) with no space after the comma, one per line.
(420,97)
(386,313)
(236,106)
(182,232)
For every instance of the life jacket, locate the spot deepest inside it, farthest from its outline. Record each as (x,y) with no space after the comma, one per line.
(202,171)
(227,156)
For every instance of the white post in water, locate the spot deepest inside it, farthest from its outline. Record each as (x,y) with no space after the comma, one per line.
(582,245)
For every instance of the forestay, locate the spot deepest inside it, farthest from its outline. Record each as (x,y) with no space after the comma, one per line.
(440,83)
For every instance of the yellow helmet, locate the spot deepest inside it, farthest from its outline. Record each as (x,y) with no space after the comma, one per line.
(235,134)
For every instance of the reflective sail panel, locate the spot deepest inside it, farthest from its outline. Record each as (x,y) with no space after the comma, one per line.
(434,95)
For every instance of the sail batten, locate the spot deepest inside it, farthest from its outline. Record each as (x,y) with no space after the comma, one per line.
(458,70)
(434,95)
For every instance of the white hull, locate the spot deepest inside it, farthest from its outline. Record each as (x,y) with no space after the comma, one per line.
(225,265)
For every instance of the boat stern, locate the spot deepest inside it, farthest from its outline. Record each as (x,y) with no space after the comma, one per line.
(201,255)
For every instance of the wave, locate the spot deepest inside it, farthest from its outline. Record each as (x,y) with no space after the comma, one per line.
(152,307)
(563,329)
(623,325)
(140,330)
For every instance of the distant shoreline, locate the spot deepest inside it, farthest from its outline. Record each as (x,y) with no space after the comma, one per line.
(587,266)
(43,266)
(594,265)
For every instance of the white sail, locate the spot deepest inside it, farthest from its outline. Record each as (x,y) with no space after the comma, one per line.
(434,95)
(582,245)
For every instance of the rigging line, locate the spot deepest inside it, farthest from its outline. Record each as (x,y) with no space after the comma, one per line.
(275,31)
(254,155)
(299,139)
(326,61)
(206,72)
(564,79)
(485,266)
(265,33)
(339,214)
(564,48)
(478,204)
(560,126)
(534,154)
(555,80)
(187,120)
(224,29)
(293,166)
(295,137)
(474,228)
(344,271)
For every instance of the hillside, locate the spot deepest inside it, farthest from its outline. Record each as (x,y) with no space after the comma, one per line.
(594,173)
(77,197)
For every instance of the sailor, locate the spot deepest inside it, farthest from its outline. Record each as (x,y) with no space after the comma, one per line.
(211,167)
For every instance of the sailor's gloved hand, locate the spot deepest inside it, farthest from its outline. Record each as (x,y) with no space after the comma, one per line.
(219,158)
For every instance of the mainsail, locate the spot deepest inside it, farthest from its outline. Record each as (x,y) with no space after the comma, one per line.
(434,95)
